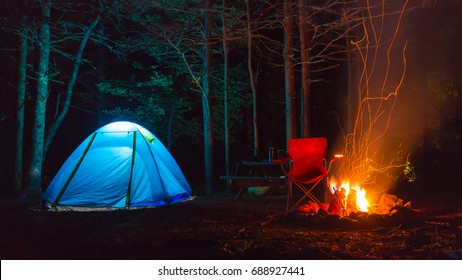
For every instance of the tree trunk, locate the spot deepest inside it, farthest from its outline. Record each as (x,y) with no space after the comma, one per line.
(206,93)
(38,127)
(23,45)
(169,136)
(305,60)
(70,86)
(289,71)
(101,66)
(252,81)
(225,94)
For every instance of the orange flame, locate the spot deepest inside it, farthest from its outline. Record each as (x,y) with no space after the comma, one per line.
(361,202)
(352,196)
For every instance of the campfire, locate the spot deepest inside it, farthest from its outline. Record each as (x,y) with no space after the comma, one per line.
(347,197)
(347,206)
(371,159)
(367,158)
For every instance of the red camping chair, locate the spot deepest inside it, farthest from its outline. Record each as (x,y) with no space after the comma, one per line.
(307,167)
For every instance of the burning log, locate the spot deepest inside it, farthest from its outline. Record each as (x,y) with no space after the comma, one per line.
(350,198)
(335,207)
(351,202)
(337,201)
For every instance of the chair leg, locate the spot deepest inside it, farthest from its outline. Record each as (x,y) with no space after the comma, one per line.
(290,207)
(288,210)
(306,194)
(289,195)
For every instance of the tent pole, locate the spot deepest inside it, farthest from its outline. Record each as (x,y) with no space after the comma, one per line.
(127,201)
(148,143)
(68,181)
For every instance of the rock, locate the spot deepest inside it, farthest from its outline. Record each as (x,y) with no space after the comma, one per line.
(387,203)
(323,213)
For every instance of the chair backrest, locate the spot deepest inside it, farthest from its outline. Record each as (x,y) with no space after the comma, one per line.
(308,159)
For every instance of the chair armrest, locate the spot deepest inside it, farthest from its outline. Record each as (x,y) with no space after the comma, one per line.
(282,156)
(282,159)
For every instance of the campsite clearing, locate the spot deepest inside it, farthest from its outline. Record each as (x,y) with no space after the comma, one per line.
(217,227)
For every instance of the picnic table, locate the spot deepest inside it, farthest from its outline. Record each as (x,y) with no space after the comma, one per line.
(255,174)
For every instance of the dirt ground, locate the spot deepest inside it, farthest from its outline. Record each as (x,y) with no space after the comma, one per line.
(218,227)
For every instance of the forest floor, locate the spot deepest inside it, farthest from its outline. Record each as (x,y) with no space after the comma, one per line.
(218,227)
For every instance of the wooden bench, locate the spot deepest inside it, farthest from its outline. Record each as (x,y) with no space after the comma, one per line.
(243,182)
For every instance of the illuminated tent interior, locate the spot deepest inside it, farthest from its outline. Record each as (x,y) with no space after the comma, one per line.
(120,165)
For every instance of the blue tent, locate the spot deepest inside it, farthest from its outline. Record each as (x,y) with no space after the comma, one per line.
(120,165)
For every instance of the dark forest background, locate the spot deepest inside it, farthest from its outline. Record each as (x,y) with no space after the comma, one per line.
(133,68)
